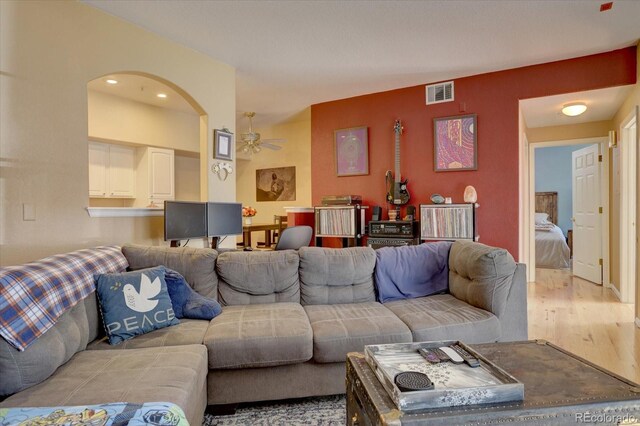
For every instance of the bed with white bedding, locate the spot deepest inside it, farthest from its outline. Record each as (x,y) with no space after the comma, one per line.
(552,250)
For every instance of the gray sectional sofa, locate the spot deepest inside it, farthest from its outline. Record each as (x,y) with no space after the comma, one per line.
(289,318)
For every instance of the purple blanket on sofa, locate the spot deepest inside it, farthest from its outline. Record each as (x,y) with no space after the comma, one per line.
(412,271)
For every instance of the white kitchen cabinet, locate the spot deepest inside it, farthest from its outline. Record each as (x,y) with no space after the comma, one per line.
(111,171)
(156,176)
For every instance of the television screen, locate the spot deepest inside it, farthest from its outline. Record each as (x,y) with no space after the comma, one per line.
(224,219)
(184,220)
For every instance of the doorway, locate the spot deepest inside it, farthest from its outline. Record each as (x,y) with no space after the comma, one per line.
(530,193)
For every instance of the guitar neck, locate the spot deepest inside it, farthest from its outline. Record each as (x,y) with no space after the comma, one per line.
(397,174)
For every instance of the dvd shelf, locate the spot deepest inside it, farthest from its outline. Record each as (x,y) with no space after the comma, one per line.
(448,222)
(346,222)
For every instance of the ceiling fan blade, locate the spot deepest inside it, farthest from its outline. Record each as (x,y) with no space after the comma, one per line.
(273,140)
(268,145)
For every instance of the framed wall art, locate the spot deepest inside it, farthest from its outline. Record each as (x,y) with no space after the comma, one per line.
(222,144)
(352,151)
(276,184)
(455,143)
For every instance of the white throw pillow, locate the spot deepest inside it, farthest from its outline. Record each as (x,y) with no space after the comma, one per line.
(542,218)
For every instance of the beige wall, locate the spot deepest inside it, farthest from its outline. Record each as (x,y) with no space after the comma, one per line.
(594,129)
(49,52)
(296,151)
(627,107)
(120,119)
(117,119)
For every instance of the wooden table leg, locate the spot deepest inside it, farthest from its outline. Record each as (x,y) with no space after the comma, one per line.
(267,238)
(246,238)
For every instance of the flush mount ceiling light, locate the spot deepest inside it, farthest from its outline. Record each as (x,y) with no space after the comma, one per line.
(161,95)
(111,81)
(573,109)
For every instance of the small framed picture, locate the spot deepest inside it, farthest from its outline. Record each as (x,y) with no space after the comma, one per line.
(455,143)
(222,144)
(352,151)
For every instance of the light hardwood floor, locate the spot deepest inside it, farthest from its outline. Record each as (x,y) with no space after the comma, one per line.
(585,319)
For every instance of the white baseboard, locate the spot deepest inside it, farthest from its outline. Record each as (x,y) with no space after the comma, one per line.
(615,291)
(637,322)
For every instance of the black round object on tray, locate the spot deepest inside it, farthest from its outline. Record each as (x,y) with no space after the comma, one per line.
(409,381)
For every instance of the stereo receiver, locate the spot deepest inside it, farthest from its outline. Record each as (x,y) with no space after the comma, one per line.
(393,228)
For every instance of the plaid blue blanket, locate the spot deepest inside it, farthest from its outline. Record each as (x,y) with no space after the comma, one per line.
(34,295)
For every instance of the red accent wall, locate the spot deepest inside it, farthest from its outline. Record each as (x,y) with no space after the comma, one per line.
(493,97)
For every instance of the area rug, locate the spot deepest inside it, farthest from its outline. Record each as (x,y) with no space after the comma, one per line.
(321,411)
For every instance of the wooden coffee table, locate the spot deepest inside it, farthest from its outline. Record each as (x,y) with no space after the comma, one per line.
(559,388)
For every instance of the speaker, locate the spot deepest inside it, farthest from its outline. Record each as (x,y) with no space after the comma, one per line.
(411,211)
(377,213)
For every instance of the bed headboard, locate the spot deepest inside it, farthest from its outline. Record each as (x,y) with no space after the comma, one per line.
(547,202)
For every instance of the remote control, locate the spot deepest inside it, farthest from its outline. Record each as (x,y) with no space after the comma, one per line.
(440,354)
(429,355)
(453,355)
(468,358)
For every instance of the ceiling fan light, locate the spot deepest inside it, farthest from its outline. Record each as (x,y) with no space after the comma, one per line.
(256,149)
(574,109)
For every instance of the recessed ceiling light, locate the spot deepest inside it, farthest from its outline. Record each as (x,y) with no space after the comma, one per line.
(112,81)
(573,109)
(161,95)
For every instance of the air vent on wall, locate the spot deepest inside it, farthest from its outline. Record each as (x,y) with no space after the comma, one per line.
(440,92)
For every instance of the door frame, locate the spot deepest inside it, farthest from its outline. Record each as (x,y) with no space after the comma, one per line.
(628,274)
(527,225)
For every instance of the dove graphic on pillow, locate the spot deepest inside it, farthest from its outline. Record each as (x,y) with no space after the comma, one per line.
(141,302)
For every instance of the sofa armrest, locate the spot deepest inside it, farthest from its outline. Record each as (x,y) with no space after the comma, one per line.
(481,275)
(513,320)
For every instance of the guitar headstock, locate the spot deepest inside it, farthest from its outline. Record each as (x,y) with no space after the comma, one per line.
(397,127)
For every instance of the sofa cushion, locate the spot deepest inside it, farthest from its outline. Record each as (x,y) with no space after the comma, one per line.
(21,370)
(443,317)
(186,302)
(174,374)
(259,336)
(134,303)
(197,265)
(258,277)
(330,276)
(188,332)
(481,275)
(412,271)
(338,329)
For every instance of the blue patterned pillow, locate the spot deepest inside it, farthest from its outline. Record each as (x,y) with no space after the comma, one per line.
(134,303)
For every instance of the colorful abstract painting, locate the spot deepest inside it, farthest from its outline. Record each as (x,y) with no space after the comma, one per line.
(352,151)
(455,146)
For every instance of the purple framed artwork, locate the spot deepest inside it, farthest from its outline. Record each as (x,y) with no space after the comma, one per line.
(455,143)
(352,151)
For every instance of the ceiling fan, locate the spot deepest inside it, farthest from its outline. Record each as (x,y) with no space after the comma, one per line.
(251,142)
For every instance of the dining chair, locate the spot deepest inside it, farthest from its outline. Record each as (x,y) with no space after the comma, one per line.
(294,237)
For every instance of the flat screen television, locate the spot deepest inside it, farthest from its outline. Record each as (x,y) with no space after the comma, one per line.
(224,219)
(184,220)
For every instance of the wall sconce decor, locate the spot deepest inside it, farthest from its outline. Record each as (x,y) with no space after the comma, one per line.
(223,170)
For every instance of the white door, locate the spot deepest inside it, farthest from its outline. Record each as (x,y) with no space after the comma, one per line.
(628,166)
(98,164)
(587,244)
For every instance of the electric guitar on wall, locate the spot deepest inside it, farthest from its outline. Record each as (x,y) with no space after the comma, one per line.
(397,192)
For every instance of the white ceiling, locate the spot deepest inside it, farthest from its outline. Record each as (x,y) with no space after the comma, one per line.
(601,104)
(291,54)
(141,89)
